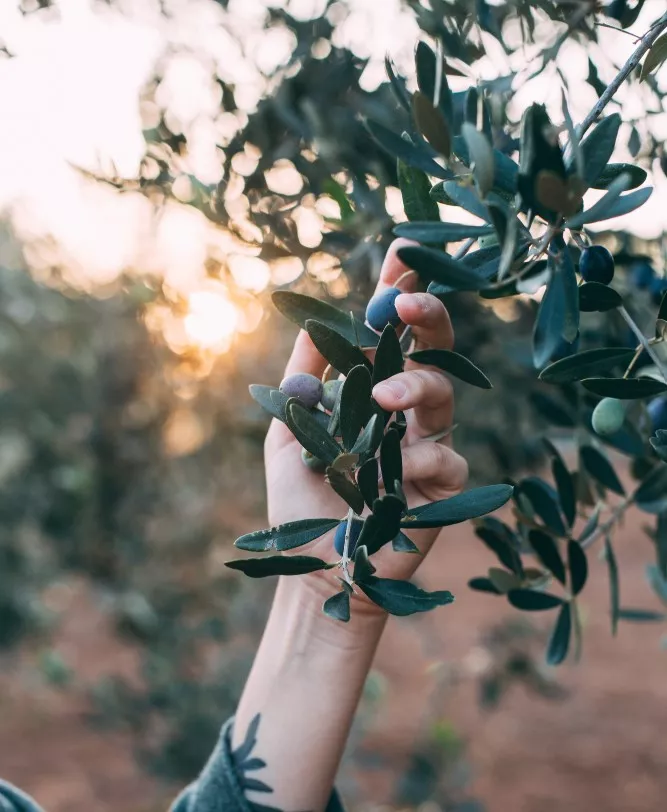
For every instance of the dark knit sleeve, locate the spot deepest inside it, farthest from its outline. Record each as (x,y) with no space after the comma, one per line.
(220,787)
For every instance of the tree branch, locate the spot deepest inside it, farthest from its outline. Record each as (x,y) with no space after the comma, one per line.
(644,45)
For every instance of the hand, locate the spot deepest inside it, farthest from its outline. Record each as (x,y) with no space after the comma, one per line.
(432,469)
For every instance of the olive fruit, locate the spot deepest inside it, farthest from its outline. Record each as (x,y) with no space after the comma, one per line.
(339,537)
(306,388)
(657,410)
(642,274)
(596,264)
(381,309)
(608,416)
(330,392)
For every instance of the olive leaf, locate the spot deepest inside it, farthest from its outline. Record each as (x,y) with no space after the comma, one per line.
(546,549)
(466,198)
(388,359)
(624,388)
(367,478)
(439,233)
(431,123)
(564,484)
(594,297)
(412,155)
(370,438)
(310,433)
(363,568)
(355,404)
(338,606)
(402,597)
(598,146)
(578,565)
(599,467)
(286,536)
(613,204)
(481,158)
(651,495)
(453,363)
(346,489)
(502,545)
(584,364)
(558,315)
(415,191)
(654,58)
(544,501)
(531,601)
(278,565)
(402,544)
(559,642)
(299,308)
(483,585)
(636,174)
(384,523)
(426,67)
(262,395)
(335,348)
(397,85)
(391,461)
(436,266)
(467,505)
(614,583)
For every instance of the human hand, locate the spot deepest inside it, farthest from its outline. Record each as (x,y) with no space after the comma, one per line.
(432,470)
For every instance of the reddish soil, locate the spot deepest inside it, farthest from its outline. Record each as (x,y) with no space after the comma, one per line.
(600,746)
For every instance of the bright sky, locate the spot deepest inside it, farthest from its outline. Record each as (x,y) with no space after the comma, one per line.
(71,95)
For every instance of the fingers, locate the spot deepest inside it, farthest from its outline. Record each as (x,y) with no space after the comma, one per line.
(428,318)
(393,268)
(437,466)
(427,391)
(305,357)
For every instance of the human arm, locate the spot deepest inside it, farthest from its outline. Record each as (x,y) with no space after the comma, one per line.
(309,670)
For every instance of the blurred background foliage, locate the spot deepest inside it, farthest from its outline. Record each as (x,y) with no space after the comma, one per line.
(132,322)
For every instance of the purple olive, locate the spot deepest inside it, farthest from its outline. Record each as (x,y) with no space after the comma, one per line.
(306,388)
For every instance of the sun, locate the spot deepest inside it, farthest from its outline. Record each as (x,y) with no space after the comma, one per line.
(211,320)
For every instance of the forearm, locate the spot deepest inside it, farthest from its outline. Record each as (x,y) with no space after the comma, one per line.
(305,683)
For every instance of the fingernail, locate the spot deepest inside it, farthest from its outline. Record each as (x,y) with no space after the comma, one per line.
(395,388)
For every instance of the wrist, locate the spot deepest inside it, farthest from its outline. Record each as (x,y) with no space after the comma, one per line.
(301,599)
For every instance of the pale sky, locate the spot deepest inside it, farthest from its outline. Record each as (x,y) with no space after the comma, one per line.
(71,96)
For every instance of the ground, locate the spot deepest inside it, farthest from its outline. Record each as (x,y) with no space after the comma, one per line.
(598,744)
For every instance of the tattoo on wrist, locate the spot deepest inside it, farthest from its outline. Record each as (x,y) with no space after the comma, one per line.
(245,764)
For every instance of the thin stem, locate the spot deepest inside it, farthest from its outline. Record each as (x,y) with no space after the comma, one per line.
(643,341)
(644,45)
(603,529)
(345,562)
(463,250)
(437,84)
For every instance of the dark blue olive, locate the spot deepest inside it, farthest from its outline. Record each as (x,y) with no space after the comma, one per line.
(381,309)
(657,410)
(657,287)
(616,9)
(339,538)
(642,274)
(596,264)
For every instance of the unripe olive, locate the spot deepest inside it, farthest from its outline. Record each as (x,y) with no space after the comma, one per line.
(306,388)
(330,392)
(608,416)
